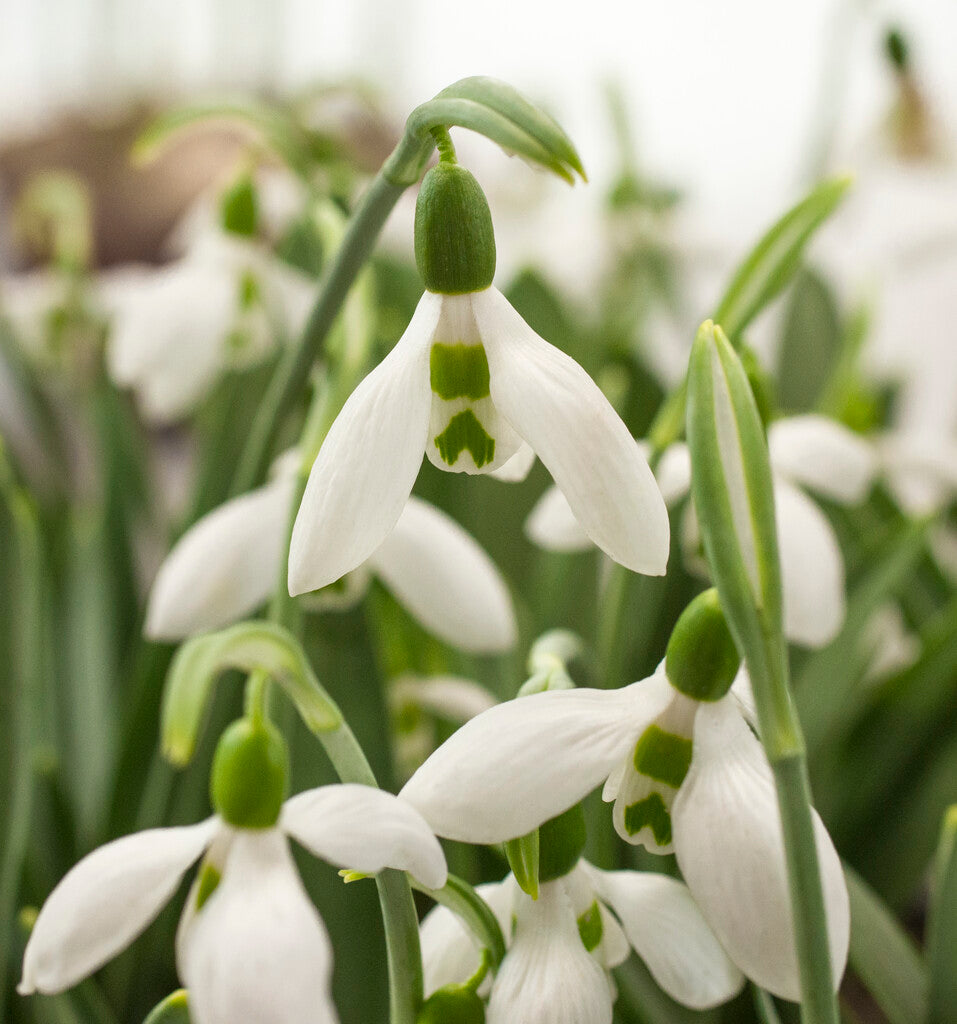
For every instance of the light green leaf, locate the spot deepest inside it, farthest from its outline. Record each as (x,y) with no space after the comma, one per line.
(883,955)
(774,260)
(251,647)
(942,927)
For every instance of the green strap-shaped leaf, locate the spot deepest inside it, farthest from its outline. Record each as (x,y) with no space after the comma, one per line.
(174,1009)
(883,955)
(776,257)
(500,113)
(270,126)
(942,927)
(250,647)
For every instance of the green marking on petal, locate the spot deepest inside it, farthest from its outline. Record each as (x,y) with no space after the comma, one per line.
(590,927)
(465,432)
(209,878)
(459,371)
(651,812)
(663,756)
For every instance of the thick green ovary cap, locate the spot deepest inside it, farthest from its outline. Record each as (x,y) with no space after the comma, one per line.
(453,1004)
(561,842)
(702,659)
(454,239)
(250,774)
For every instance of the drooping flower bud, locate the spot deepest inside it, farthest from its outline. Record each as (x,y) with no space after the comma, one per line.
(250,774)
(454,239)
(702,660)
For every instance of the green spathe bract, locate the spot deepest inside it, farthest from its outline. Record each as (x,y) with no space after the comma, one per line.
(250,774)
(454,239)
(702,659)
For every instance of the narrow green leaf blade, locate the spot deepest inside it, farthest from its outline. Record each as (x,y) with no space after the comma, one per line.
(942,927)
(883,955)
(776,257)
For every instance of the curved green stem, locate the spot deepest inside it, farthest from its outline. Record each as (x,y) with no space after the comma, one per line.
(463,900)
(292,374)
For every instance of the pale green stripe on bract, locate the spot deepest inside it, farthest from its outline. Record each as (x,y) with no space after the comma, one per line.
(732,460)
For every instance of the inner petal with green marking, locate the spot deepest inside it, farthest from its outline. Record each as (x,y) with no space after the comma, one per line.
(590,927)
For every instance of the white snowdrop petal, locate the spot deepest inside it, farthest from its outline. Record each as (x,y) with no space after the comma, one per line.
(730,849)
(368,462)
(527,760)
(674,472)
(444,578)
(552,525)
(667,930)
(365,829)
(547,977)
(450,697)
(223,567)
(105,901)
(921,469)
(812,568)
(517,468)
(258,951)
(744,695)
(560,411)
(824,455)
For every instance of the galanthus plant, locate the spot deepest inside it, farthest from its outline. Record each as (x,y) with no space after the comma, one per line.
(470,384)
(686,774)
(808,451)
(707,858)
(226,565)
(251,944)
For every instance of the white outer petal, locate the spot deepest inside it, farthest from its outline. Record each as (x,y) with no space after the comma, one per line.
(552,525)
(674,472)
(548,977)
(560,411)
(667,930)
(105,901)
(730,849)
(824,455)
(451,697)
(258,951)
(527,760)
(223,567)
(444,578)
(368,462)
(812,568)
(518,466)
(921,469)
(365,829)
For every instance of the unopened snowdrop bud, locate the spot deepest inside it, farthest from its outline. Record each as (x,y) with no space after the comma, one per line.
(702,659)
(561,842)
(454,238)
(250,775)
(239,207)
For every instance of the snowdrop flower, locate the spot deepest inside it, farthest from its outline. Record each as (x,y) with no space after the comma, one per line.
(808,451)
(685,771)
(176,329)
(471,385)
(227,565)
(606,914)
(921,469)
(250,945)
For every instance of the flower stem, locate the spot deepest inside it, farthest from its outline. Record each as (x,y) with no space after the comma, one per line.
(292,374)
